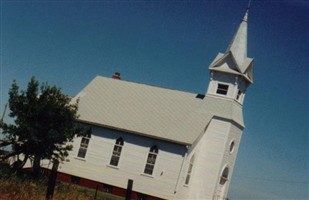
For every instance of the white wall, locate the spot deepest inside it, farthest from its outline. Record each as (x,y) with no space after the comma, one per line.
(229,159)
(211,155)
(96,166)
(211,152)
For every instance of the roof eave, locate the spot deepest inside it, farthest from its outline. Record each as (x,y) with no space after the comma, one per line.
(133,132)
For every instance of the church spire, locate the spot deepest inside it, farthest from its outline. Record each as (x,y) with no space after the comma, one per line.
(232,72)
(238,45)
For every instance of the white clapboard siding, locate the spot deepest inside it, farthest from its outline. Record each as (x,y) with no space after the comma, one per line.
(131,165)
(229,158)
(209,154)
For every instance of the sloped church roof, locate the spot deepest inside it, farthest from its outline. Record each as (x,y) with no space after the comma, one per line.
(151,111)
(161,113)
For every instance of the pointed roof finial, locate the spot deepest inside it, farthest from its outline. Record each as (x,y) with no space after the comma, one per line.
(247,12)
(238,45)
(249,5)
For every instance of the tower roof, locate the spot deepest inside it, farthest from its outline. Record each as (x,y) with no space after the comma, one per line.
(238,45)
(235,59)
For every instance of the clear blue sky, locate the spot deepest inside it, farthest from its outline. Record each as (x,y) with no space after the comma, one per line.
(171,44)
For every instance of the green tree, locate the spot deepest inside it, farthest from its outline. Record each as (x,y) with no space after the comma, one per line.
(45,124)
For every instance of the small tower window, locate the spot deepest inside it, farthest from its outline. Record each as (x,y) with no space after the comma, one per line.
(222,89)
(151,160)
(116,152)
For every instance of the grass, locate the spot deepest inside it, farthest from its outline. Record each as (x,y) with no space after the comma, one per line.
(22,187)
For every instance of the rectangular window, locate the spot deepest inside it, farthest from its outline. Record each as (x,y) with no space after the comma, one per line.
(222,89)
(83,147)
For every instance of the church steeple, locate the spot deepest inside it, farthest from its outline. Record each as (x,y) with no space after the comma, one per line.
(232,71)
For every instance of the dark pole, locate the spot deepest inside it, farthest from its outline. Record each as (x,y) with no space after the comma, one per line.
(52,181)
(129,189)
(96,191)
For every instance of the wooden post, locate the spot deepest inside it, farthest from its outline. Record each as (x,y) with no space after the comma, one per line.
(96,191)
(52,181)
(129,189)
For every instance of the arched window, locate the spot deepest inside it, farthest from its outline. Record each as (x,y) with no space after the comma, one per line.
(116,152)
(189,170)
(84,144)
(151,160)
(224,176)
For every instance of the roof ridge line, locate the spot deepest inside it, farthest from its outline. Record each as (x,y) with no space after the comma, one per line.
(146,84)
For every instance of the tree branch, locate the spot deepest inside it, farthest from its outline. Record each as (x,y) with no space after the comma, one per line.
(14,153)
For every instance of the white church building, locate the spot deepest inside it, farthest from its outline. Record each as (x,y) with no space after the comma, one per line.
(172,144)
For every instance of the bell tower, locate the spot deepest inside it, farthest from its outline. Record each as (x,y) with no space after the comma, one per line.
(231,72)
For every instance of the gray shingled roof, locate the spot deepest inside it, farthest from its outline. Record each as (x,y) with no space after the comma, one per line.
(151,111)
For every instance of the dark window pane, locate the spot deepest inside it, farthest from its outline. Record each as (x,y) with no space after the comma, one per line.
(114,161)
(222,89)
(82,153)
(149,169)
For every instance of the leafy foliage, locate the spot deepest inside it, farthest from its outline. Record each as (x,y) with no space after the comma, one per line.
(45,123)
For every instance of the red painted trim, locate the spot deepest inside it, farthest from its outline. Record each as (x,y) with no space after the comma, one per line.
(94,184)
